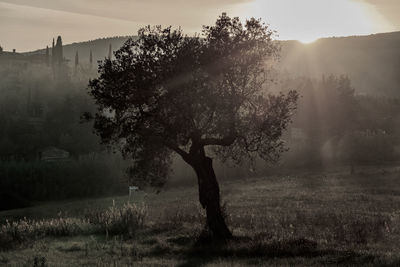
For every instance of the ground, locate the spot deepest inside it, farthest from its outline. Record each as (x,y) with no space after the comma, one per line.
(307,219)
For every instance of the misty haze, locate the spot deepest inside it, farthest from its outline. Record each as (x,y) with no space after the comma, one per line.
(200,133)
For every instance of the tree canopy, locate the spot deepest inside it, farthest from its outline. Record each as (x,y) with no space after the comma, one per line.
(197,96)
(169,92)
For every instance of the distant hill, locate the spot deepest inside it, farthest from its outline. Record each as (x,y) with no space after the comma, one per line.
(99,48)
(372,62)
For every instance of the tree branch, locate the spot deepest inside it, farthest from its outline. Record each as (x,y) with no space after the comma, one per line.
(226,141)
(179,151)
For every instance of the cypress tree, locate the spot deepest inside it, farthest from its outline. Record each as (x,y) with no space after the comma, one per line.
(76,59)
(76,62)
(59,49)
(91,58)
(109,52)
(47,56)
(53,53)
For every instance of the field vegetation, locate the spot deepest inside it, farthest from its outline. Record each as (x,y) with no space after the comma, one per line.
(311,218)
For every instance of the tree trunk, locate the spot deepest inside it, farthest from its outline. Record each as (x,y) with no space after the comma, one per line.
(209,197)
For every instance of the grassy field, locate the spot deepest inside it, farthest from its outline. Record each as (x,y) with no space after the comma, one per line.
(308,219)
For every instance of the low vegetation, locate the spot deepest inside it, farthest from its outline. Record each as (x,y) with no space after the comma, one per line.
(124,220)
(308,219)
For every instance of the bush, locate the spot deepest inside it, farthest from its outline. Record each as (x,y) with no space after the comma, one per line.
(125,220)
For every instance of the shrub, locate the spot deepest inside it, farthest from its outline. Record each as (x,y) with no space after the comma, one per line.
(123,220)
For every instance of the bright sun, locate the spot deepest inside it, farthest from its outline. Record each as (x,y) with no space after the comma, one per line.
(308,20)
(307,41)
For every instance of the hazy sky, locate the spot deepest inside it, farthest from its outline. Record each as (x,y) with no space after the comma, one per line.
(31,24)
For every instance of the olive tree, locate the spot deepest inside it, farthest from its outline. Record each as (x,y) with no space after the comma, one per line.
(200,97)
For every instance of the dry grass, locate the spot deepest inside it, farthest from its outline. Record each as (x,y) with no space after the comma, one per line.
(304,220)
(123,220)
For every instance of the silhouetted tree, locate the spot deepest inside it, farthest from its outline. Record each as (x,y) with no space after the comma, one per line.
(109,52)
(198,97)
(76,59)
(59,50)
(91,59)
(60,71)
(338,105)
(53,51)
(47,56)
(76,63)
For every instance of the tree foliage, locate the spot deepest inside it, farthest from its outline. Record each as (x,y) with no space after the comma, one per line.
(168,92)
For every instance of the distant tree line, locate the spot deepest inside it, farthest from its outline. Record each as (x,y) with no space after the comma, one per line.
(38,111)
(341,127)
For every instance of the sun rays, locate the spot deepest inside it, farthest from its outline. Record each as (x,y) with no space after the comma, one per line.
(308,20)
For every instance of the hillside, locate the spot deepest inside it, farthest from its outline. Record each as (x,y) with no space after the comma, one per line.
(372,62)
(99,48)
